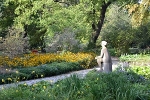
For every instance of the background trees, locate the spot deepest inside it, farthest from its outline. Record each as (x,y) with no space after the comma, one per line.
(98,9)
(142,36)
(41,21)
(140,12)
(118,30)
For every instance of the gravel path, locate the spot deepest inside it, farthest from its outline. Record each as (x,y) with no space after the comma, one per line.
(54,79)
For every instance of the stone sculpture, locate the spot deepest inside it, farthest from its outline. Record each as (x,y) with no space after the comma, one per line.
(104,60)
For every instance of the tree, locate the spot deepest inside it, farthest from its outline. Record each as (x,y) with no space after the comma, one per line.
(67,2)
(7,16)
(142,36)
(98,11)
(25,15)
(40,19)
(117,30)
(140,12)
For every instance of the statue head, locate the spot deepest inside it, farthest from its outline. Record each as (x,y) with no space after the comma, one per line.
(103,43)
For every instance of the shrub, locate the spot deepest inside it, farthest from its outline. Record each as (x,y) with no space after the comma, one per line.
(14,45)
(65,41)
(47,70)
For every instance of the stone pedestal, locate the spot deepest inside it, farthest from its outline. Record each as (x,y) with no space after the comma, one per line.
(107,67)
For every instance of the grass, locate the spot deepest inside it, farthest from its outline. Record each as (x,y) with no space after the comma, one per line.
(95,86)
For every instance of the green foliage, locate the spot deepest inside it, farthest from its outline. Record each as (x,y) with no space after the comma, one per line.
(40,19)
(144,71)
(38,72)
(94,86)
(118,84)
(7,16)
(135,57)
(69,88)
(117,30)
(139,12)
(112,52)
(142,35)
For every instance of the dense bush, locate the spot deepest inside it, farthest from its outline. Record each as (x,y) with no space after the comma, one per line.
(47,70)
(63,41)
(14,44)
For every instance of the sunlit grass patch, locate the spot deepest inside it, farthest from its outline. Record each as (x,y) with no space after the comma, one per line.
(136,59)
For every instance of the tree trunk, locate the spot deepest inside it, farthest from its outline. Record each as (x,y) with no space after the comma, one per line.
(100,22)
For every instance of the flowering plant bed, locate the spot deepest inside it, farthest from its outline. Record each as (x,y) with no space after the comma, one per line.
(32,66)
(30,60)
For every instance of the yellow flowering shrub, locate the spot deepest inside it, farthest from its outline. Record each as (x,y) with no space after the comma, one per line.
(29,60)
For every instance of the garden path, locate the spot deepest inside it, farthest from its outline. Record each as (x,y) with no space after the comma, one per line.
(53,79)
